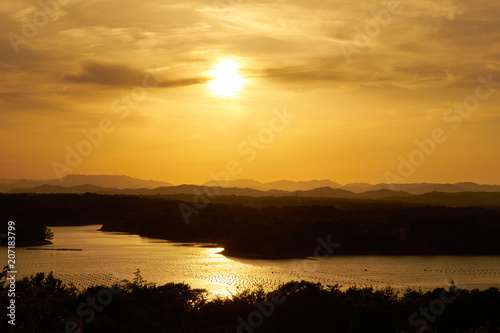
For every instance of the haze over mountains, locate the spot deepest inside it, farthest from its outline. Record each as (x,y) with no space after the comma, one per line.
(106,181)
(412,188)
(459,194)
(283,185)
(318,187)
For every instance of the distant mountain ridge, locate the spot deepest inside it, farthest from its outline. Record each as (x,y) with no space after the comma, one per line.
(282,185)
(106,181)
(187,192)
(412,188)
(120,184)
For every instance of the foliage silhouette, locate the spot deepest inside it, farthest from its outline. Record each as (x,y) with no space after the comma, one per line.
(274,231)
(45,304)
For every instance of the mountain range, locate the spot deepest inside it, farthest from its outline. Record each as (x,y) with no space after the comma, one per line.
(106,181)
(412,188)
(459,194)
(126,182)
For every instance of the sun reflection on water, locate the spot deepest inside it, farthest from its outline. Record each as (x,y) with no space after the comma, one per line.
(112,256)
(216,252)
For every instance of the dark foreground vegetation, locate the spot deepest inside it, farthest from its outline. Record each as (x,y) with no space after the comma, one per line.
(44,304)
(272,231)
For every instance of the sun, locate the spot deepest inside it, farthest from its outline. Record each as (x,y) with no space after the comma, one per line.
(227,81)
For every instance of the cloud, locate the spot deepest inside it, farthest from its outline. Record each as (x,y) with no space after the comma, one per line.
(66,76)
(122,75)
(106,74)
(183,82)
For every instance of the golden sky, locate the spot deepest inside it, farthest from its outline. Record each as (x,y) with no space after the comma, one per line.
(354,82)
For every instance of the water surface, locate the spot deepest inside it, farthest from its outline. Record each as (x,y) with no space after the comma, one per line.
(107,257)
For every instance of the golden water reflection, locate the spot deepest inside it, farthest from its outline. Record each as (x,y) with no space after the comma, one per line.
(110,257)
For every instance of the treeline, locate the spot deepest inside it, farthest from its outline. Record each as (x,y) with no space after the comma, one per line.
(26,232)
(44,304)
(360,227)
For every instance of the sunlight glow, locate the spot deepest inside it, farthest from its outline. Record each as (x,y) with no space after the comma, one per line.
(215,252)
(227,81)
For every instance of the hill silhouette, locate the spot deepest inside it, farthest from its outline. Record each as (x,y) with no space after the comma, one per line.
(282,227)
(186,192)
(105,181)
(384,193)
(412,188)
